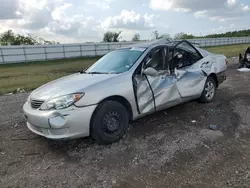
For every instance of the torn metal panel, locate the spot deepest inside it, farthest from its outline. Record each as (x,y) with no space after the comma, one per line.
(144,95)
(165,91)
(159,94)
(204,64)
(190,82)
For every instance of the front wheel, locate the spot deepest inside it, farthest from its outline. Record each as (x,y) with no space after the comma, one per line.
(209,91)
(110,122)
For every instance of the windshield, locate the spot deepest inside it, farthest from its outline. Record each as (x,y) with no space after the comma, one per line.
(117,61)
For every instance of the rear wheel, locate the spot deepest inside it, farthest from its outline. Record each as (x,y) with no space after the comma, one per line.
(109,122)
(209,91)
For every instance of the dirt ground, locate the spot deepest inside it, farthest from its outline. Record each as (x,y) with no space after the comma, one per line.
(167,149)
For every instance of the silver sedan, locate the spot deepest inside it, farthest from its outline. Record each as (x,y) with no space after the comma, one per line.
(122,86)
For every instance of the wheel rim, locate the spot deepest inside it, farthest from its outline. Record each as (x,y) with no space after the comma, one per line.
(112,123)
(209,90)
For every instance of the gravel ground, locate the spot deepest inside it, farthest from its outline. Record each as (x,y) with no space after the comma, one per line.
(166,149)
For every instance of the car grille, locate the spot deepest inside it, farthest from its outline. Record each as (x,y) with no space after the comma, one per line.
(36,103)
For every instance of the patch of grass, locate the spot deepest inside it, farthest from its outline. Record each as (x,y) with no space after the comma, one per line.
(31,75)
(229,51)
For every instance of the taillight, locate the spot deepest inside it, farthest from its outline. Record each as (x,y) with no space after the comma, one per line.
(226,61)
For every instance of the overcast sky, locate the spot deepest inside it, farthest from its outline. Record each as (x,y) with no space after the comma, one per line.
(86,20)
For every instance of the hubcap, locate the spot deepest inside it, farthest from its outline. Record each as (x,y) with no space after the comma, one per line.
(111,122)
(209,90)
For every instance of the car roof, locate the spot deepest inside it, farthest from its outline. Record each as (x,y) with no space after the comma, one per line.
(151,44)
(170,43)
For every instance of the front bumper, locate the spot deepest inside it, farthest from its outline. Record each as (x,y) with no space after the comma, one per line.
(69,123)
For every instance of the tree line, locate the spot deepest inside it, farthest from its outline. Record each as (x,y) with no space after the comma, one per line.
(115,36)
(10,38)
(241,33)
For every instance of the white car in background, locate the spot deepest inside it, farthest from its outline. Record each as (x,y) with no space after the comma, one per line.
(124,85)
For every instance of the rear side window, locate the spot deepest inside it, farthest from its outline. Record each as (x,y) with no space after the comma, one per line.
(189,49)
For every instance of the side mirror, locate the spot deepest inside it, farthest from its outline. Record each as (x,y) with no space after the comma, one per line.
(150,71)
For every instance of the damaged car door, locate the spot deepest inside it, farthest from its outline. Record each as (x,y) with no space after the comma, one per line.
(190,81)
(155,88)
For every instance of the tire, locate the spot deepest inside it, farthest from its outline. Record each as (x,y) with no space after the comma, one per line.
(109,122)
(241,64)
(209,91)
(248,65)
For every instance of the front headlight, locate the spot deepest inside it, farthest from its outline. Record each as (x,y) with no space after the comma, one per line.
(62,101)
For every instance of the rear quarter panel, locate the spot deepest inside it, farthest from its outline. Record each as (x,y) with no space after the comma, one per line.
(219,64)
(212,64)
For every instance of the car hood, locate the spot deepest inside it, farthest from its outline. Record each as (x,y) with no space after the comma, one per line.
(68,84)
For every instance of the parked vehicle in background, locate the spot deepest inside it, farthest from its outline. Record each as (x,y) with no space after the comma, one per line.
(124,85)
(245,61)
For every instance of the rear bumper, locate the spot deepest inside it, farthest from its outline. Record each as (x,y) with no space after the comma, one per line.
(221,77)
(68,123)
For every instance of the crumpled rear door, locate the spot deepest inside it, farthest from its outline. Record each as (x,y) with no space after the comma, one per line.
(165,91)
(190,82)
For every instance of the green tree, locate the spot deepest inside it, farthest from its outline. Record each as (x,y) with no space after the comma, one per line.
(160,36)
(156,34)
(116,36)
(241,33)
(179,35)
(136,37)
(182,35)
(24,40)
(7,38)
(111,36)
(165,36)
(188,36)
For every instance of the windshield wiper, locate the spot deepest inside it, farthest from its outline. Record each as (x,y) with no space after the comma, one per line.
(96,72)
(82,72)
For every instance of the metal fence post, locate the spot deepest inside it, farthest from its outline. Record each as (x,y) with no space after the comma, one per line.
(45,52)
(80,50)
(64,52)
(25,55)
(95,50)
(108,47)
(2,55)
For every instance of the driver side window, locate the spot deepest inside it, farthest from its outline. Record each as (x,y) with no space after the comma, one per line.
(155,59)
